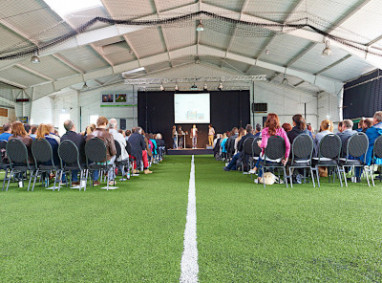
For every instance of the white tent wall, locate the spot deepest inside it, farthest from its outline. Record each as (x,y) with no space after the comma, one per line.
(7,102)
(90,104)
(285,102)
(42,110)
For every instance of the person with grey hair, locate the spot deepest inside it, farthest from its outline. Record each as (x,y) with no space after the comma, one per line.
(113,125)
(347,132)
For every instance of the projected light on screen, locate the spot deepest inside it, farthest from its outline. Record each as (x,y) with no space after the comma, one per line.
(192,108)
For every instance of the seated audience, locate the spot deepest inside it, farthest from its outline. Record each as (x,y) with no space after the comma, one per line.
(373,133)
(101,133)
(326,128)
(272,128)
(310,129)
(139,153)
(113,124)
(242,133)
(299,128)
(361,124)
(33,131)
(79,141)
(340,126)
(240,154)
(222,145)
(347,132)
(258,130)
(18,132)
(53,133)
(6,132)
(43,132)
(27,128)
(127,135)
(368,123)
(287,127)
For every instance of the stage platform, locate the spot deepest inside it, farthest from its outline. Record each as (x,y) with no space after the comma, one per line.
(189,151)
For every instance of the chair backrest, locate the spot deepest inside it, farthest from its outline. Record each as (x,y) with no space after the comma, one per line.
(118,148)
(3,152)
(17,152)
(42,151)
(247,146)
(256,149)
(377,150)
(275,148)
(330,147)
(231,147)
(95,150)
(357,145)
(68,153)
(302,148)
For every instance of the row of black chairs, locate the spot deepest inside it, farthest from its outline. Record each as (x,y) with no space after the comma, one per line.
(329,155)
(18,164)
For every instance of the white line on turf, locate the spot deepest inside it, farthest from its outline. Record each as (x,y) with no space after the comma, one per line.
(189,264)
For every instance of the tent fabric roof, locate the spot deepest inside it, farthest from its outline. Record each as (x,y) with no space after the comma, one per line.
(105,51)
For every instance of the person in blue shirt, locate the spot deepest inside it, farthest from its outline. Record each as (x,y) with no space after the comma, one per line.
(222,144)
(373,133)
(7,132)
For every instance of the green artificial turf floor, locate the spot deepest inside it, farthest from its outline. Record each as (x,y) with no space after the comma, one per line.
(245,233)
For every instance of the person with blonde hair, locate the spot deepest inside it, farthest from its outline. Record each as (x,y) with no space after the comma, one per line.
(43,132)
(326,128)
(242,133)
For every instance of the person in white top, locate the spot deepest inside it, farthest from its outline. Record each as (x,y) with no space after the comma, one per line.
(113,124)
(211,134)
(194,136)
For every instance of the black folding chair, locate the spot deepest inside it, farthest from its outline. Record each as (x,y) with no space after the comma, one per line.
(273,155)
(355,155)
(122,163)
(4,163)
(301,156)
(17,154)
(96,158)
(44,162)
(247,150)
(377,153)
(70,160)
(329,151)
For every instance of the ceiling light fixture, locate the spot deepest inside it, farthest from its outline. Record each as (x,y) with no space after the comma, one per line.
(285,81)
(327,51)
(35,59)
(85,86)
(200,26)
(205,86)
(220,87)
(194,87)
(176,87)
(161,87)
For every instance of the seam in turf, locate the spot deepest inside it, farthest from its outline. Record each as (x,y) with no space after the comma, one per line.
(189,264)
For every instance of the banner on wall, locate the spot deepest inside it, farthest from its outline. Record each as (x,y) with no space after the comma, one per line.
(118,99)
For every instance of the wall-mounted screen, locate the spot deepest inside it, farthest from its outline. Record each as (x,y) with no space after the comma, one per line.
(192,108)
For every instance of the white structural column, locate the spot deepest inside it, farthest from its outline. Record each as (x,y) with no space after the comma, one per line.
(189,264)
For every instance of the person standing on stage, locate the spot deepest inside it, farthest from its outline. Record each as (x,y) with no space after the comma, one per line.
(180,135)
(194,136)
(175,137)
(211,134)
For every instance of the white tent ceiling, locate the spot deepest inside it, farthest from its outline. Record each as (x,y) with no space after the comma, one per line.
(101,53)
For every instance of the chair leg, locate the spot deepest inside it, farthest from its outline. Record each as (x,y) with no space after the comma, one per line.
(318,176)
(339,175)
(263,169)
(60,178)
(312,176)
(36,172)
(86,178)
(285,177)
(371,175)
(367,175)
(30,179)
(9,179)
(290,177)
(343,171)
(5,178)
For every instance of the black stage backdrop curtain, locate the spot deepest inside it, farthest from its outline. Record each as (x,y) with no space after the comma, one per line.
(228,109)
(363,97)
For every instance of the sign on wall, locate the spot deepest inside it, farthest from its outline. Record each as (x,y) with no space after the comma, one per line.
(118,99)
